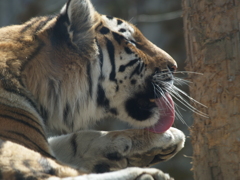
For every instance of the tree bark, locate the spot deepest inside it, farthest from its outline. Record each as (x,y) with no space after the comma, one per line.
(213,48)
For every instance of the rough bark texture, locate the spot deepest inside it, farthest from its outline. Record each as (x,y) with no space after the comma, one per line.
(212,39)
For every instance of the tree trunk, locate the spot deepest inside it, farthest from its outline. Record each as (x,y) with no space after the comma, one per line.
(213,48)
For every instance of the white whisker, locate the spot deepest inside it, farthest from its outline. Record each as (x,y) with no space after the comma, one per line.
(187,72)
(180,81)
(185,94)
(179,115)
(181,100)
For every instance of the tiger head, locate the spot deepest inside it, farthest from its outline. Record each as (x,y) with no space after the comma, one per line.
(135,74)
(108,68)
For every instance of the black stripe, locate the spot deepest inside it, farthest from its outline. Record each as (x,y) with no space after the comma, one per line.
(30,24)
(111,53)
(89,78)
(66,113)
(141,68)
(136,71)
(122,30)
(131,63)
(117,87)
(24,115)
(25,123)
(101,97)
(42,151)
(15,140)
(119,21)
(100,56)
(128,50)
(43,23)
(104,30)
(118,37)
(44,114)
(74,144)
(8,138)
(114,111)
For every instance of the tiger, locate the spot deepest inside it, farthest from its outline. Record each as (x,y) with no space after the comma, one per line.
(60,75)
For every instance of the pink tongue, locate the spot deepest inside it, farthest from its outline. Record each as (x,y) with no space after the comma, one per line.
(167,114)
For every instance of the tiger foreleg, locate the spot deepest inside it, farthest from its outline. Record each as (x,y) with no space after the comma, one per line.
(100,151)
(132,173)
(18,162)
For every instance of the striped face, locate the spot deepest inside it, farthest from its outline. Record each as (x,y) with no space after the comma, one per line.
(134,72)
(110,69)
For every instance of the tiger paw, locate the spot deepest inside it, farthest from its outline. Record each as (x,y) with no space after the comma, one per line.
(97,151)
(147,148)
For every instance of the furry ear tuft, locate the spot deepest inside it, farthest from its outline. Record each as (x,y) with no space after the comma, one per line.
(81,18)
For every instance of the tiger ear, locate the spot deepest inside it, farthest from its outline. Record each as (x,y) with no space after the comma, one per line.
(80,17)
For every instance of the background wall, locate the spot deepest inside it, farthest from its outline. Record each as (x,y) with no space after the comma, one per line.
(159,20)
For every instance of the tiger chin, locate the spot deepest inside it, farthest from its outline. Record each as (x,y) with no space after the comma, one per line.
(61,74)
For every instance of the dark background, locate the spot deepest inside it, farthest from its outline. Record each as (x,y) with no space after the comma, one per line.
(159,20)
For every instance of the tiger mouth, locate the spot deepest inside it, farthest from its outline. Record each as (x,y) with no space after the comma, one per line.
(142,108)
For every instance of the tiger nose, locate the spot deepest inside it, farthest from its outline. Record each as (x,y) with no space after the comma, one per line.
(172,67)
